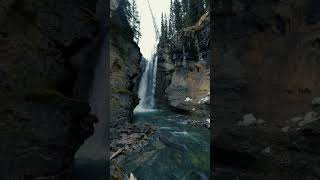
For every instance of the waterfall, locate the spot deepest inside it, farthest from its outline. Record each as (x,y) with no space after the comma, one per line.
(147,87)
(154,80)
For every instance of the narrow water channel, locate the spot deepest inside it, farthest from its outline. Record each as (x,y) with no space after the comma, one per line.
(177,151)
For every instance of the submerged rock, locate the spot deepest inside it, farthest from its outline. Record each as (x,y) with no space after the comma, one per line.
(168,142)
(194,175)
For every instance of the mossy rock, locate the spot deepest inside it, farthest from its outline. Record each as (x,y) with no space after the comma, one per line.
(123,91)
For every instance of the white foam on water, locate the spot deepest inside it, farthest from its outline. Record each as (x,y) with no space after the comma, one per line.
(184,133)
(183,122)
(140,109)
(165,127)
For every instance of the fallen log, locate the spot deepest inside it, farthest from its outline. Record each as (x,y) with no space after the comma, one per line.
(116,154)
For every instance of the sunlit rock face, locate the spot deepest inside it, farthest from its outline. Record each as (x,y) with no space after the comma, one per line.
(183,79)
(47,62)
(266,63)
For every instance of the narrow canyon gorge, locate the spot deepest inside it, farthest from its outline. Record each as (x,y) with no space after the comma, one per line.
(160,106)
(241,80)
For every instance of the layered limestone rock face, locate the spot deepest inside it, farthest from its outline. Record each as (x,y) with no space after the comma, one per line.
(266,73)
(183,78)
(48,51)
(126,67)
(125,75)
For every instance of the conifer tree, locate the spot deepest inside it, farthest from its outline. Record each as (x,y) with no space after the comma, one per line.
(162,29)
(165,27)
(185,7)
(125,7)
(196,9)
(124,13)
(207,4)
(135,21)
(186,12)
(170,28)
(177,15)
(171,21)
(139,33)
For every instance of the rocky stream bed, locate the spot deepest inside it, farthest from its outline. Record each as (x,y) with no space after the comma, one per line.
(176,150)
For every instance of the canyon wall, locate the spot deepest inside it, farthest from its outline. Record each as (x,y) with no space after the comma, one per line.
(183,73)
(126,68)
(125,75)
(48,51)
(265,76)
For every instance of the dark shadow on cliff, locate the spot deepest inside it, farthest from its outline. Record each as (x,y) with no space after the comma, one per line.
(91,160)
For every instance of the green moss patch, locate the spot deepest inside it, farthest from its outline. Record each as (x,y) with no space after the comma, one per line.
(123,91)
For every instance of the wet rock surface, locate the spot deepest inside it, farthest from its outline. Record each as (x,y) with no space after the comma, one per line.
(265,65)
(132,140)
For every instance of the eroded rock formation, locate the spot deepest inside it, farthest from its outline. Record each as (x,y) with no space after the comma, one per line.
(183,74)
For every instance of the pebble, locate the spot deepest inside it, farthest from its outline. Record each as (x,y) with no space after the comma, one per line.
(285,129)
(308,118)
(260,121)
(267,150)
(296,119)
(316,101)
(248,119)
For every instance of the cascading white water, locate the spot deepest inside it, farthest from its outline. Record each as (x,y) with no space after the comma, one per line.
(147,87)
(154,79)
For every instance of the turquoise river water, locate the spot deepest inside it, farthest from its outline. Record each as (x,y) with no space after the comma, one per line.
(177,151)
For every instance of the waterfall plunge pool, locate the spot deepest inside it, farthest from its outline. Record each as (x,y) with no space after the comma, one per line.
(177,151)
